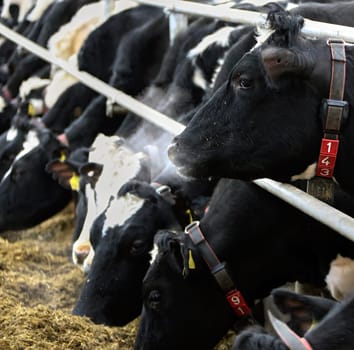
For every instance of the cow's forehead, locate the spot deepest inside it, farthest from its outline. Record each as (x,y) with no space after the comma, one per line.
(120,210)
(11,134)
(104,147)
(250,62)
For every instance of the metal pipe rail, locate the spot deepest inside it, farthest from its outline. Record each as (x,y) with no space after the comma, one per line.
(91,81)
(322,212)
(310,28)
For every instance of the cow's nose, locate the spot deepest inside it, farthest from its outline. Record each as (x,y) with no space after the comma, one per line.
(80,251)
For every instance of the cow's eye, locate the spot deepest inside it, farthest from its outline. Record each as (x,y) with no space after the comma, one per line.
(154,300)
(137,247)
(245,83)
(242,81)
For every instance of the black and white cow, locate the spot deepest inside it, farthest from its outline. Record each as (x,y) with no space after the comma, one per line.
(265,244)
(332,329)
(110,165)
(57,14)
(265,121)
(137,58)
(29,195)
(7,111)
(14,11)
(183,82)
(112,292)
(12,142)
(67,42)
(122,238)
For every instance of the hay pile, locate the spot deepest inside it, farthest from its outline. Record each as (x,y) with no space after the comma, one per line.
(39,286)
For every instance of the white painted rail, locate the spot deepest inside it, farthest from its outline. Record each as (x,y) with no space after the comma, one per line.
(322,212)
(101,87)
(311,28)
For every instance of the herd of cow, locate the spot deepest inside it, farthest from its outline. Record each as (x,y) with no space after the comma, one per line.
(171,228)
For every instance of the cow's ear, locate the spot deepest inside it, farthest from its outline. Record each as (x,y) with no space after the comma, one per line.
(139,188)
(64,173)
(51,145)
(278,62)
(169,243)
(304,310)
(91,172)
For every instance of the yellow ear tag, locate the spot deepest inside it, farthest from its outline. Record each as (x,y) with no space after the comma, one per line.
(62,156)
(31,111)
(313,325)
(191,263)
(74,182)
(189,213)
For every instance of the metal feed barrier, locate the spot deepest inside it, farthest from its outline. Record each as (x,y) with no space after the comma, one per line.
(313,207)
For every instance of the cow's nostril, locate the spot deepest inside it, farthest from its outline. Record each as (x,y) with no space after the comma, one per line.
(80,253)
(80,257)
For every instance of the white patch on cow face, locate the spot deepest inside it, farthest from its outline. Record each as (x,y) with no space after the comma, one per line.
(2,104)
(120,164)
(31,84)
(31,142)
(91,214)
(120,210)
(220,37)
(308,174)
(216,71)
(199,80)
(153,253)
(11,134)
(340,278)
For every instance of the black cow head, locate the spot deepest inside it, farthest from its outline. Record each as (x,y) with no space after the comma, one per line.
(178,283)
(12,142)
(123,245)
(303,310)
(264,120)
(179,299)
(335,330)
(29,195)
(68,107)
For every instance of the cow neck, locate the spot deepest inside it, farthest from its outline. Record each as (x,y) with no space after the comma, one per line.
(219,271)
(334,112)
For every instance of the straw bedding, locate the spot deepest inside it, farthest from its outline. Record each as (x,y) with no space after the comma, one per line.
(39,286)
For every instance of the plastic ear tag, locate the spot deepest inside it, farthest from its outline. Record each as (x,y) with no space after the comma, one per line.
(74,182)
(191,263)
(313,325)
(189,213)
(62,156)
(31,110)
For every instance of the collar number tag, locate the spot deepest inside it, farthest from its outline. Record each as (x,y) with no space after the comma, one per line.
(238,303)
(327,158)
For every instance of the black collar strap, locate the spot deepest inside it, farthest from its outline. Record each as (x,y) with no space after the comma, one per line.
(218,269)
(334,111)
